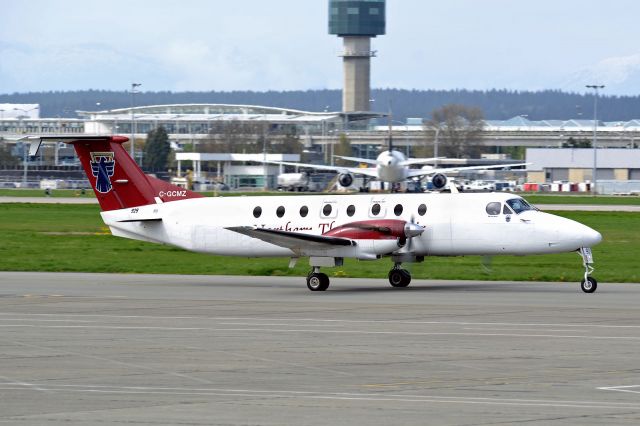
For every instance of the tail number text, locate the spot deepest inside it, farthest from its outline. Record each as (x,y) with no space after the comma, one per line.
(172,194)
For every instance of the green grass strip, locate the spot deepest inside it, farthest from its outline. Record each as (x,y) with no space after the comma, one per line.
(58,237)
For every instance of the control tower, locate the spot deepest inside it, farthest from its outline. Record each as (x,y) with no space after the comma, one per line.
(356,21)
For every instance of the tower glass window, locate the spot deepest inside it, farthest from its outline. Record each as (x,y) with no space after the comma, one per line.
(357,17)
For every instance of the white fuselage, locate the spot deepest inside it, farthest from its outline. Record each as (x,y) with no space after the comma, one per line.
(454,224)
(390,167)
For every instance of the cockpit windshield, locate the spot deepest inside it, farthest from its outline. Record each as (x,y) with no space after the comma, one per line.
(519,205)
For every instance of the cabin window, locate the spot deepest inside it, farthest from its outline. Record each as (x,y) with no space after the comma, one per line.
(494,208)
(397,210)
(280,211)
(326,210)
(375,209)
(351,210)
(422,209)
(506,210)
(257,211)
(304,211)
(519,205)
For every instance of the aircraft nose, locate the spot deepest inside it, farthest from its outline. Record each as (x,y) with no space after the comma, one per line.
(590,237)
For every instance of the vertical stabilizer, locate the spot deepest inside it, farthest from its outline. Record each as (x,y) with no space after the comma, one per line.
(115,177)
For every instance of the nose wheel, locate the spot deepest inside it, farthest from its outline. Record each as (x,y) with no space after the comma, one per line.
(399,277)
(588,283)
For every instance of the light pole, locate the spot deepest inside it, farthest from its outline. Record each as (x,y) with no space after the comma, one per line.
(96,121)
(264,162)
(133,118)
(594,179)
(435,148)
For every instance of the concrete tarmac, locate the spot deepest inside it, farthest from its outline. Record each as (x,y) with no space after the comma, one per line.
(83,349)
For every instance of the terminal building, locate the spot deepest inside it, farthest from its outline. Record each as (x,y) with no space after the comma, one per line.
(191,127)
(618,169)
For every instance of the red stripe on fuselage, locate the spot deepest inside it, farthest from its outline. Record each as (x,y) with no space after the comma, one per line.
(383,229)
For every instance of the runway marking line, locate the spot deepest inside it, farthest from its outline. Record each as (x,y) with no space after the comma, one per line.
(378,397)
(302,330)
(622,388)
(582,325)
(525,329)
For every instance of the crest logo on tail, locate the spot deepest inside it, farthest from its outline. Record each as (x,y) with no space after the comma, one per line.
(103,166)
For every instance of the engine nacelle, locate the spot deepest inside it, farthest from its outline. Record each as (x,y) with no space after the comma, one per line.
(439,181)
(345,179)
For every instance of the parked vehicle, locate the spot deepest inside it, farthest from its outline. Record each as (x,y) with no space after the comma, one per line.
(478,185)
(298,182)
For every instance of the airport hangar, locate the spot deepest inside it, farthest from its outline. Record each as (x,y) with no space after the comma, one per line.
(319,132)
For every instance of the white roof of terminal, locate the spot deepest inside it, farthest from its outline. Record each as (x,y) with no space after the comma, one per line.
(206,112)
(205,156)
(19,110)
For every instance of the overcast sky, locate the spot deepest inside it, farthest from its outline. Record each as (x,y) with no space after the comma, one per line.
(283,45)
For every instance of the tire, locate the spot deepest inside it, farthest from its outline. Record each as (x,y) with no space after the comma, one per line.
(317,281)
(399,278)
(407,277)
(590,285)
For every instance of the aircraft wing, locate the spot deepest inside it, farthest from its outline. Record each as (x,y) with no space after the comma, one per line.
(295,241)
(446,171)
(358,160)
(412,161)
(352,170)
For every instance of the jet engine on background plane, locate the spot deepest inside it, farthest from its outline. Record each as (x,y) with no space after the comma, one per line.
(439,181)
(345,179)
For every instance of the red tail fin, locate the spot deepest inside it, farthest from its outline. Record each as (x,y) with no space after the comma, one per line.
(116,179)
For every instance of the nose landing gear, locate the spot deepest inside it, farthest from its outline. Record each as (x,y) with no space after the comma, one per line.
(399,277)
(588,283)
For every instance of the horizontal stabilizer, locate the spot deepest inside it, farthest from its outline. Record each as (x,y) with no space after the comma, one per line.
(36,141)
(155,219)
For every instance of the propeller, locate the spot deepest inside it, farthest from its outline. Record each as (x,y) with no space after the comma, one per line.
(411,230)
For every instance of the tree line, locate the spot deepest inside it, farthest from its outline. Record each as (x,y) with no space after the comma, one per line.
(495,104)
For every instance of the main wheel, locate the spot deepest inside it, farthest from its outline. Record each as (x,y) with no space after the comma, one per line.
(317,281)
(407,277)
(589,285)
(399,277)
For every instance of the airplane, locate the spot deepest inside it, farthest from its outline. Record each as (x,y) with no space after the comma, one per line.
(394,167)
(325,228)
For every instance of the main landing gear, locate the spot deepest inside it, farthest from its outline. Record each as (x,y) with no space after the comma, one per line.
(588,283)
(399,277)
(317,281)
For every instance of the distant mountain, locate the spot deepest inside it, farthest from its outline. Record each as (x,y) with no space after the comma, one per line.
(619,74)
(496,104)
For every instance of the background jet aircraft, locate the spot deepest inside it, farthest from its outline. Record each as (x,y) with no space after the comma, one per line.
(393,166)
